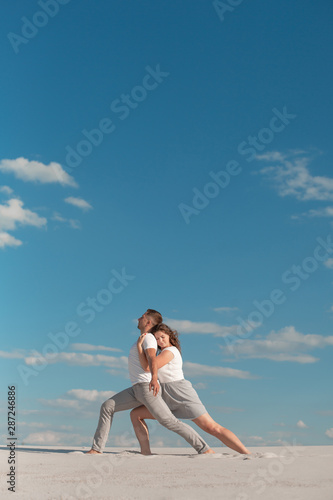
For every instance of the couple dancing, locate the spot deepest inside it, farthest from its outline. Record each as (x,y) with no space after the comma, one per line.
(159,391)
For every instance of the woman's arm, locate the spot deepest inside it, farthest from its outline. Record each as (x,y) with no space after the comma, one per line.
(162,359)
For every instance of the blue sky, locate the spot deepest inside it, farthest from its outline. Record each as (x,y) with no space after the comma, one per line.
(174,156)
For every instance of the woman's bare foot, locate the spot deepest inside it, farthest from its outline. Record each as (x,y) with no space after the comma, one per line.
(208,451)
(93,452)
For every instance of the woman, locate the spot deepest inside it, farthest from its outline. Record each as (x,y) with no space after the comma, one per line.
(177,392)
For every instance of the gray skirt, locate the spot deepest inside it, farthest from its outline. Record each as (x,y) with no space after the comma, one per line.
(182,399)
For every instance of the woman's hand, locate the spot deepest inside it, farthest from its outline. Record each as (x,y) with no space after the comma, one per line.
(141,339)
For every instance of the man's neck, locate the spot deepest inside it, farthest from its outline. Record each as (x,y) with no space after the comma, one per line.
(143,331)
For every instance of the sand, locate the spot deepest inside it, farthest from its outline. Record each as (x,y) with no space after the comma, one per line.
(295,472)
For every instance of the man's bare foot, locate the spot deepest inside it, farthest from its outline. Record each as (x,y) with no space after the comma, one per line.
(146,454)
(208,451)
(93,452)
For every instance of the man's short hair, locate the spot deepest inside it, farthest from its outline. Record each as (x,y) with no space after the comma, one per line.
(154,316)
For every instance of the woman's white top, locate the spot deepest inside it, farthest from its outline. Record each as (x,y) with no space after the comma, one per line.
(172,371)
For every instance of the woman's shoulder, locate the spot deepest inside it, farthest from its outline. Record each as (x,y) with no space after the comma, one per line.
(173,349)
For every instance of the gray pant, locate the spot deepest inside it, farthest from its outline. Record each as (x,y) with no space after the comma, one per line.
(138,395)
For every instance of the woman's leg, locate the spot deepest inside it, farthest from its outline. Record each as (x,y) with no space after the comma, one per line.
(206,423)
(140,427)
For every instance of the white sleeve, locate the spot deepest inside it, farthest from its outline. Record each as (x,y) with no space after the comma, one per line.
(149,342)
(171,349)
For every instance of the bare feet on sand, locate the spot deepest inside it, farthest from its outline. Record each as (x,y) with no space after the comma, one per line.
(93,452)
(208,451)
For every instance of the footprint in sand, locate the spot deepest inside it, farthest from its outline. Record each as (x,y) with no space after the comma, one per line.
(260,455)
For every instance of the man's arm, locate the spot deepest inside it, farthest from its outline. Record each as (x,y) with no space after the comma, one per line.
(151,357)
(142,356)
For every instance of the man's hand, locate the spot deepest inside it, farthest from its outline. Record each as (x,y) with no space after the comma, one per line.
(155,386)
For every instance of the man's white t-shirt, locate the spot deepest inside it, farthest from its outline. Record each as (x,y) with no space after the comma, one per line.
(136,372)
(173,370)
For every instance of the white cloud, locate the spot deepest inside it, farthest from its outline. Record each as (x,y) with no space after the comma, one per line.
(44,438)
(195,369)
(329,263)
(33,357)
(6,190)
(225,309)
(78,202)
(90,395)
(16,354)
(35,171)
(78,359)
(255,439)
(37,425)
(126,439)
(57,217)
(123,372)
(329,433)
(77,400)
(158,443)
(280,435)
(225,409)
(301,425)
(75,224)
(48,438)
(61,403)
(90,347)
(186,326)
(7,240)
(200,385)
(271,156)
(259,441)
(28,412)
(292,177)
(66,427)
(325,413)
(284,345)
(322,212)
(13,214)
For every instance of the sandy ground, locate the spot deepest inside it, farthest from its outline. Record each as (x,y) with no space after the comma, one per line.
(296,472)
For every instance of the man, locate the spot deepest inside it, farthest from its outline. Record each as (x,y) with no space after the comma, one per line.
(145,391)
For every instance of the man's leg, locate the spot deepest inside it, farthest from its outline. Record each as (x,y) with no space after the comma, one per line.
(162,413)
(124,400)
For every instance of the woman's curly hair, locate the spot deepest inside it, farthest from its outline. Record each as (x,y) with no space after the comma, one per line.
(173,334)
